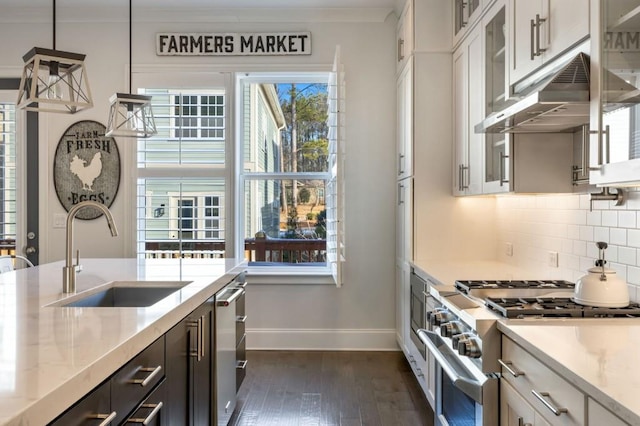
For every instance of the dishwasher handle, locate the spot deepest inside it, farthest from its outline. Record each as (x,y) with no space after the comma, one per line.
(237,292)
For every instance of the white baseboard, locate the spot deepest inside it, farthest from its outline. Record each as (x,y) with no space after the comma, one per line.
(322,339)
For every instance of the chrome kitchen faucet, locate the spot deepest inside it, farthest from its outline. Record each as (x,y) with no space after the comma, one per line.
(69,270)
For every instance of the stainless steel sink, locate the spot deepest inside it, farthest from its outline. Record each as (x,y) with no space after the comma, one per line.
(123,294)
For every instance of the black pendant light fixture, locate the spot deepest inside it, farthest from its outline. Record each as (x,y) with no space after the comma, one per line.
(53,80)
(130,115)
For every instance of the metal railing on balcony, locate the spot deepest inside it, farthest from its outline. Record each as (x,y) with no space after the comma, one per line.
(257,250)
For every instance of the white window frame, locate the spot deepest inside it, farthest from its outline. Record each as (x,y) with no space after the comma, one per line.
(275,274)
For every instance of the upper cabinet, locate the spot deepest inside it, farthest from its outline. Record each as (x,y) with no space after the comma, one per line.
(465,13)
(542,29)
(615,92)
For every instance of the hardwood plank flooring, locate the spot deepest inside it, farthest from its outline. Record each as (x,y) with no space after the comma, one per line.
(324,388)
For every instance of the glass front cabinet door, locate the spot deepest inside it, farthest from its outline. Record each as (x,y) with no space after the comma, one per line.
(615,93)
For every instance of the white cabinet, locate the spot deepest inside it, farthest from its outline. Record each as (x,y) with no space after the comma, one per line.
(598,415)
(405,121)
(542,29)
(404,248)
(465,13)
(467,85)
(515,411)
(550,396)
(615,93)
(404,36)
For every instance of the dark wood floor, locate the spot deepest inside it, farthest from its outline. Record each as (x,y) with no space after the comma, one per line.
(309,388)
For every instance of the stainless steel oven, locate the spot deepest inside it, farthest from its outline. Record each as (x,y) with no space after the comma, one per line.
(417,310)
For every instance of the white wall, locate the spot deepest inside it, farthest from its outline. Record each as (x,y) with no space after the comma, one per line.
(361,314)
(536,225)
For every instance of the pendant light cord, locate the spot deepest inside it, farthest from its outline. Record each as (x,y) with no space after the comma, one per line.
(54,24)
(130,45)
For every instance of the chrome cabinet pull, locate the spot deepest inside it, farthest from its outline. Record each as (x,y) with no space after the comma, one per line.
(533,43)
(241,319)
(400,191)
(463,6)
(201,335)
(241,364)
(156,409)
(144,382)
(539,22)
(196,353)
(503,169)
(507,366)
(459,177)
(108,418)
(400,164)
(465,182)
(542,397)
(607,139)
(400,49)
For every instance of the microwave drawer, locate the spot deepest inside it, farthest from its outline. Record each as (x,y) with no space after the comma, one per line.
(559,402)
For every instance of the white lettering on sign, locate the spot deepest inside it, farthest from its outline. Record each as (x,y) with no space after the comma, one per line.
(210,44)
(622,41)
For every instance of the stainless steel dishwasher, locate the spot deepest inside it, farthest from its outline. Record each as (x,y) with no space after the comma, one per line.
(225,344)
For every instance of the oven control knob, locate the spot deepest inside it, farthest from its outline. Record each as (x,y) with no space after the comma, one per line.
(459,338)
(451,328)
(431,315)
(439,318)
(470,347)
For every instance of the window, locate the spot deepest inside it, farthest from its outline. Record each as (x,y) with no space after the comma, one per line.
(288,147)
(7,172)
(182,175)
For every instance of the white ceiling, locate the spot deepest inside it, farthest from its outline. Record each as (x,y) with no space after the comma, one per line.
(226,4)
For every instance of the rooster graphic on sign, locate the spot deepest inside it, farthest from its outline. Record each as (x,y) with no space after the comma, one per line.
(87,173)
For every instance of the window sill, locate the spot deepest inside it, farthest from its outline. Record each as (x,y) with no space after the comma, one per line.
(308,275)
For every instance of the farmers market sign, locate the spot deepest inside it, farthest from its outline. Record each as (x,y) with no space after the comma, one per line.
(229,44)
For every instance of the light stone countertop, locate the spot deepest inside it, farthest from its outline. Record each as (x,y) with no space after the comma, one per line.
(52,356)
(598,356)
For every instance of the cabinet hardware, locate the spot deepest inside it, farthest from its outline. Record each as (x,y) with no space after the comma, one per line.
(532,36)
(156,409)
(108,418)
(535,48)
(503,168)
(463,6)
(144,382)
(242,364)
(400,49)
(507,366)
(241,319)
(400,163)
(542,397)
(196,353)
(202,337)
(400,190)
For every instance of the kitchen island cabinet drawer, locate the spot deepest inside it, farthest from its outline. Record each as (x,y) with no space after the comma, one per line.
(91,410)
(152,411)
(559,402)
(137,378)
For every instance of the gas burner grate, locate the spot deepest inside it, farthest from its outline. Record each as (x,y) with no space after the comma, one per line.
(555,307)
(468,285)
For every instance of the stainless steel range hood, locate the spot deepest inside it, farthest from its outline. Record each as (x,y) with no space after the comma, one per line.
(554,100)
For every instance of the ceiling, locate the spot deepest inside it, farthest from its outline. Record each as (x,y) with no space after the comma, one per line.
(226,4)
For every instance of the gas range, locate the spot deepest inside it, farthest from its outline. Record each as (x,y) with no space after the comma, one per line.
(555,307)
(505,288)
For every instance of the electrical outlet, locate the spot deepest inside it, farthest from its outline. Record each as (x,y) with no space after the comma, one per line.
(553,259)
(508,249)
(59,220)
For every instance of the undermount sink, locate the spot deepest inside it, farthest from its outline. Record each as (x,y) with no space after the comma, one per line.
(123,294)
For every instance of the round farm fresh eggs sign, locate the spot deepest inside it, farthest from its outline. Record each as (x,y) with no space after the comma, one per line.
(86,167)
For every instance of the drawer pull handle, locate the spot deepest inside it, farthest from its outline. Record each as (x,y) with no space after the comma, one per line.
(242,318)
(108,418)
(144,382)
(507,366)
(542,397)
(241,365)
(156,409)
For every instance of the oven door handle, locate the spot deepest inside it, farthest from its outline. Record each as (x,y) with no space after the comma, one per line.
(457,372)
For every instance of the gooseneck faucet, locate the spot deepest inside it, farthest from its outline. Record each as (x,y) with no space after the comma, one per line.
(69,270)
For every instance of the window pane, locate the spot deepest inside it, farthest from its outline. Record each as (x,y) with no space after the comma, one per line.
(293,234)
(175,217)
(191,129)
(286,135)
(7,173)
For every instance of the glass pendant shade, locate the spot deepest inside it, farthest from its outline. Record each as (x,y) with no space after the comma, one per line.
(54,81)
(131,116)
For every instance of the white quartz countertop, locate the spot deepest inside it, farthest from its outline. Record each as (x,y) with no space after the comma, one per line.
(52,356)
(599,356)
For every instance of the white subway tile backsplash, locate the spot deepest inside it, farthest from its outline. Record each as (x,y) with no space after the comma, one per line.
(609,218)
(633,237)
(580,248)
(573,232)
(601,234)
(633,276)
(586,233)
(627,255)
(618,236)
(594,218)
(627,219)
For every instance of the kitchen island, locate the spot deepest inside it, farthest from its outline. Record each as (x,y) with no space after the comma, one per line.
(52,356)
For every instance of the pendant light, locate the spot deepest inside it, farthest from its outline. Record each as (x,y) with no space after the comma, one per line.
(53,80)
(130,115)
